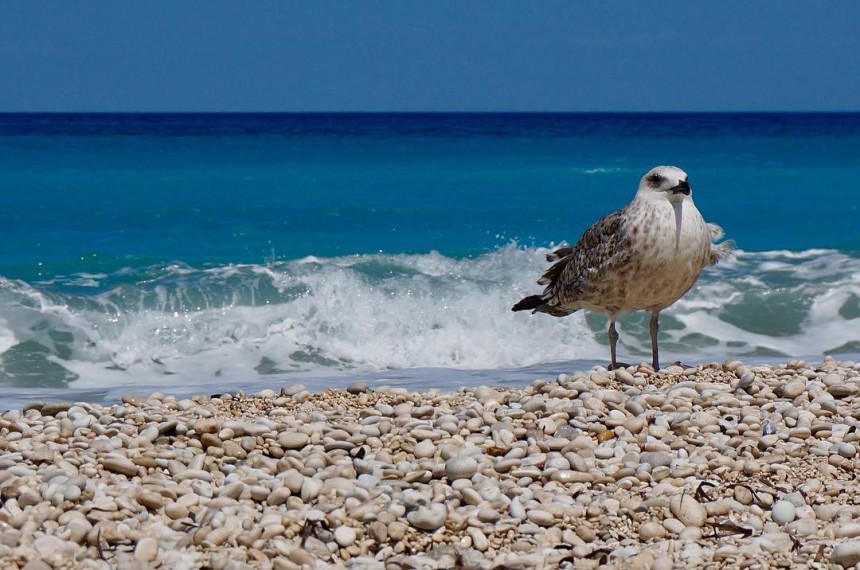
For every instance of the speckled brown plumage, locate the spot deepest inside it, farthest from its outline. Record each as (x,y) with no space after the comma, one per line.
(642,257)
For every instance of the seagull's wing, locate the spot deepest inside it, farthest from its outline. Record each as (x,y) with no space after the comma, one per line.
(603,247)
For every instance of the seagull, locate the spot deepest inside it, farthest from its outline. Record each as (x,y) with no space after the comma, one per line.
(643,257)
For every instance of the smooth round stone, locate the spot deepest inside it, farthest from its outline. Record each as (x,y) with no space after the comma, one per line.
(826,512)
(28,497)
(72,493)
(850,530)
(191,474)
(745,380)
(49,546)
(120,465)
(541,517)
(516,509)
(78,530)
(658,431)
(150,433)
(604,452)
(206,425)
(424,449)
(691,533)
(146,550)
(843,390)
(371,431)
(802,527)
(150,500)
(176,511)
(624,376)
(460,468)
(635,424)
(557,463)
(430,517)
(793,389)
(357,387)
(345,536)
(293,440)
(673,525)
(556,443)
(743,495)
(566,476)
(488,515)
(767,441)
(586,533)
(651,530)
(783,512)
(294,481)
(479,539)
(656,458)
(688,510)
(310,490)
(846,450)
(846,554)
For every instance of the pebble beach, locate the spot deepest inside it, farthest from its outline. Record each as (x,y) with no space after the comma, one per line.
(717,465)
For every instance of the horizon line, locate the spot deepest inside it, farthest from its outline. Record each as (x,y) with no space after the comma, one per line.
(440,112)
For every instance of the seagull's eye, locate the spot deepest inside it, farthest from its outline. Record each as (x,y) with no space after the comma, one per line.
(654,180)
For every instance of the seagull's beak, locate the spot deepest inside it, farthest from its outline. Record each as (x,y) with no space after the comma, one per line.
(682,188)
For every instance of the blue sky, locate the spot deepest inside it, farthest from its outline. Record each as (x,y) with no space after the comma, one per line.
(459,55)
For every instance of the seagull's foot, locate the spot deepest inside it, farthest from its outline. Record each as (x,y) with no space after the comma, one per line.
(676,363)
(617,366)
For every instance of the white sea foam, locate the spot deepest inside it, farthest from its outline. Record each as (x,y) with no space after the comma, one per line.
(374,313)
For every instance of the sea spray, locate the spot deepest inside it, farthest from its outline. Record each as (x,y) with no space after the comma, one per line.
(160,325)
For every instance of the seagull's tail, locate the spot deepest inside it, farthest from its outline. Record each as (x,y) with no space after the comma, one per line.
(537,304)
(530,303)
(720,251)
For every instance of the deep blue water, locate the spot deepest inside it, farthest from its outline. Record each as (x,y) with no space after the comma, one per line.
(138,248)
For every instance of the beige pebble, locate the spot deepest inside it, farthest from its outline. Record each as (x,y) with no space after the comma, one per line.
(120,465)
(293,440)
(146,550)
(651,530)
(688,510)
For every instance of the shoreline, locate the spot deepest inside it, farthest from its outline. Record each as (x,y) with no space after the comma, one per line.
(714,464)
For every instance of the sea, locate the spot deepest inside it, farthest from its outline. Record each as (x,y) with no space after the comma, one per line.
(202,253)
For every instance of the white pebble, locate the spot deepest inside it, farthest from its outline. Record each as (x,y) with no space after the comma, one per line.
(846,554)
(460,468)
(345,536)
(783,512)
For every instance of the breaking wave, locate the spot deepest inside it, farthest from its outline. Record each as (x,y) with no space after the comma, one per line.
(175,324)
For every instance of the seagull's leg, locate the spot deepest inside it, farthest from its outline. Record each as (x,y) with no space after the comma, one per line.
(655,327)
(613,338)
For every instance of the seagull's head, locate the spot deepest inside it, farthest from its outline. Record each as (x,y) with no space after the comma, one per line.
(666,183)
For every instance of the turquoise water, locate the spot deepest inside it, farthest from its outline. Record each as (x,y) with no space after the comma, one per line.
(149,250)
